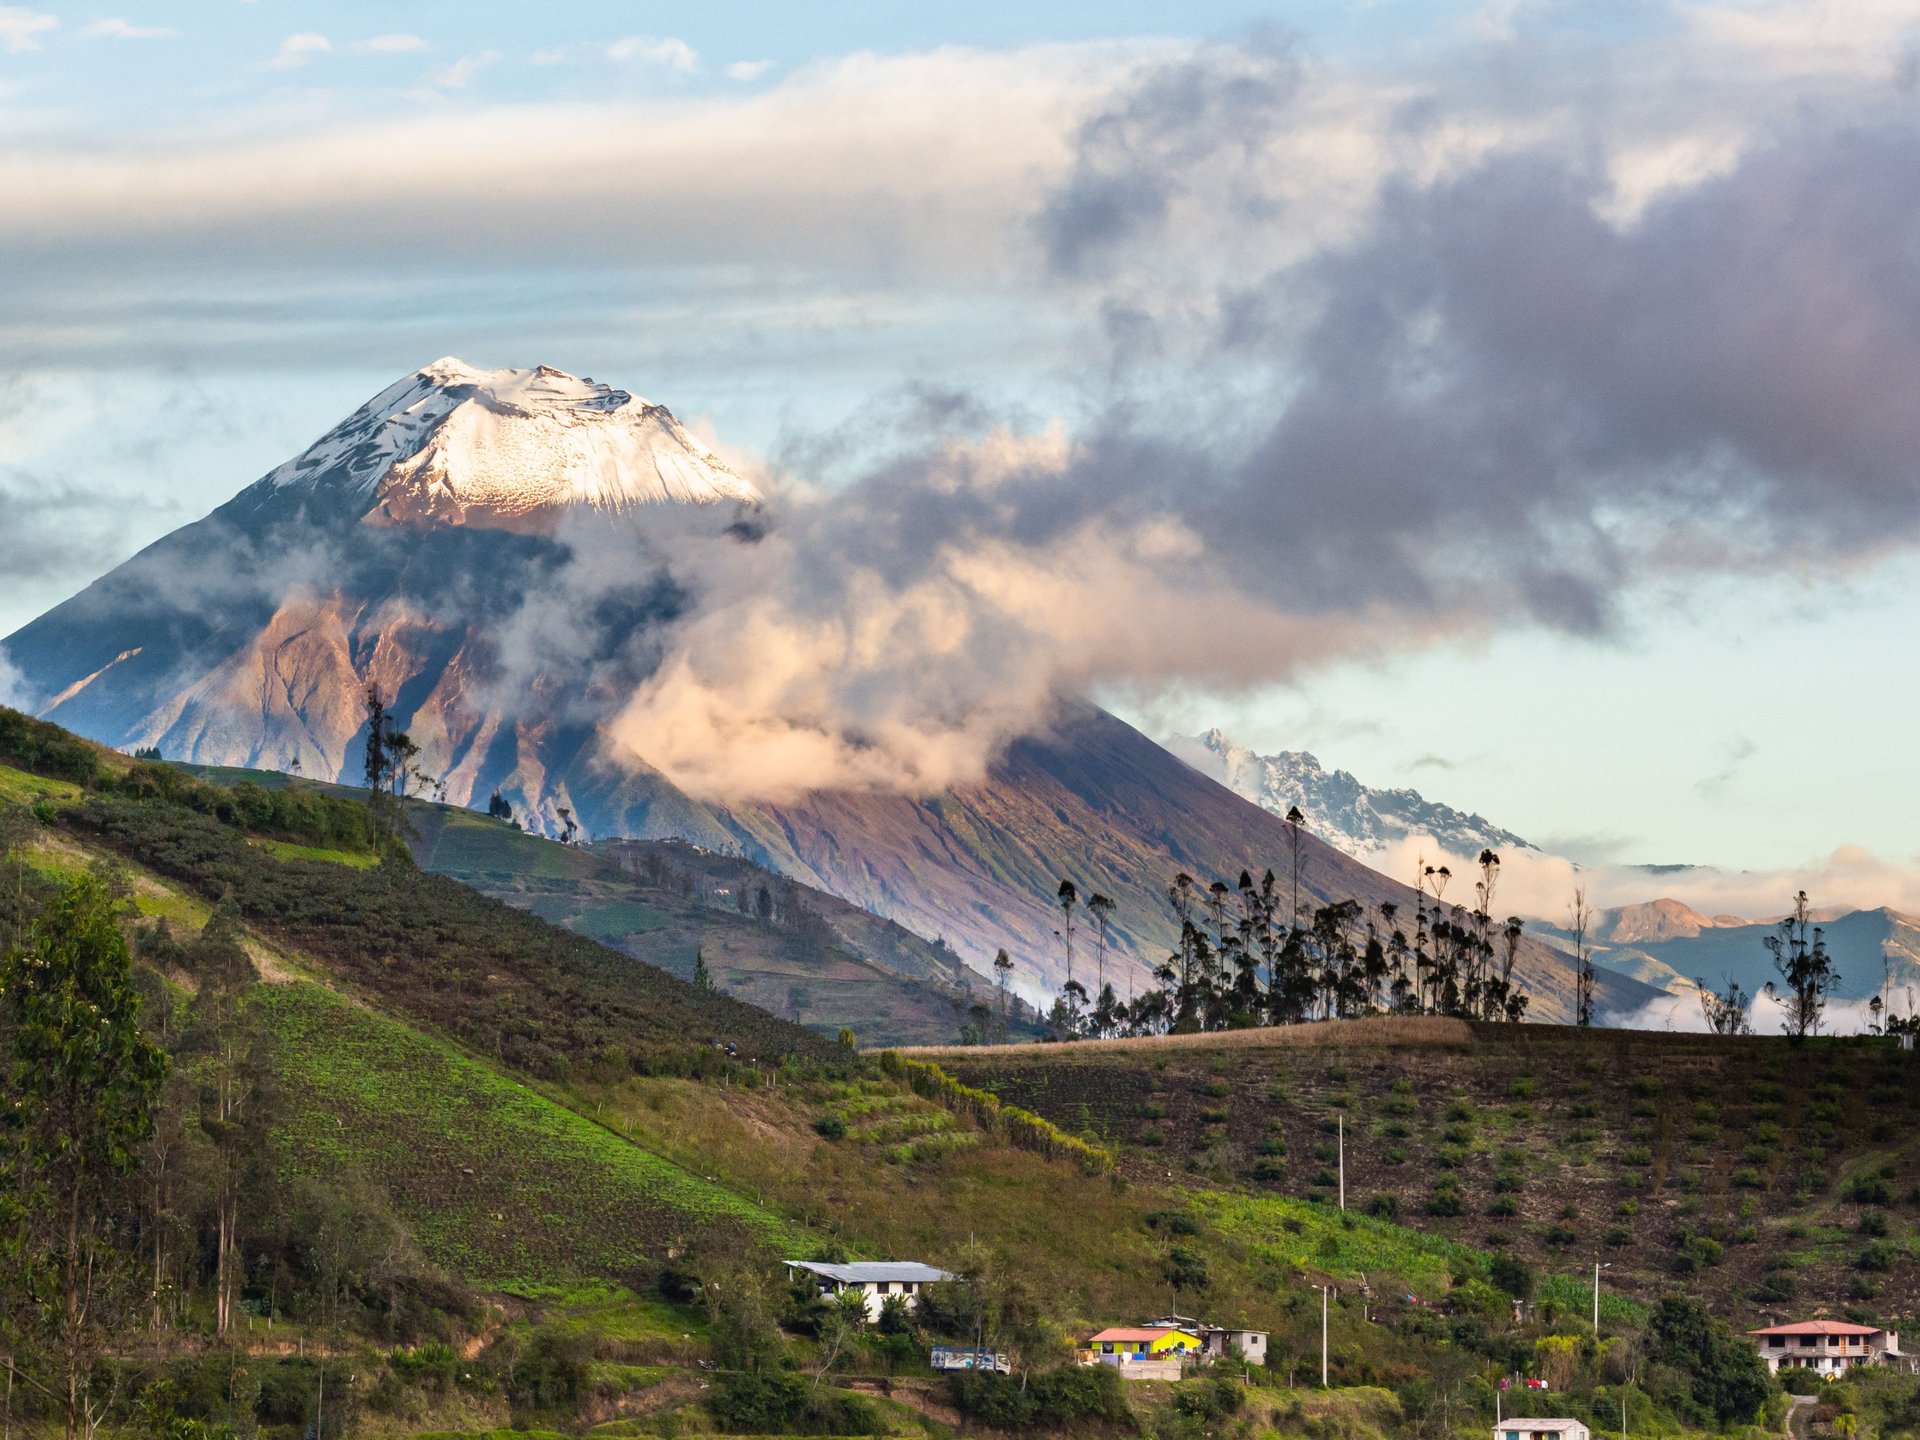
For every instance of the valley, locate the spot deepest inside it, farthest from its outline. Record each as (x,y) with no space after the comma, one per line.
(580,1171)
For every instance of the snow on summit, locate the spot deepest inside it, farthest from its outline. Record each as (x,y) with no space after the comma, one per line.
(502,449)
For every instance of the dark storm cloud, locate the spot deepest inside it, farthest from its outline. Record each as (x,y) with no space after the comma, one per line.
(1139,154)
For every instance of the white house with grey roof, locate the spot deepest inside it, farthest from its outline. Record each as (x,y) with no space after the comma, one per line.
(876,1281)
(1541,1430)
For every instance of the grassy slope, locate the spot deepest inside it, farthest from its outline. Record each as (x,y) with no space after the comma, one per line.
(823,987)
(496,1181)
(1623,1141)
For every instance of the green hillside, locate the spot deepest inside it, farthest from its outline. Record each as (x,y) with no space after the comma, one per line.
(494,1180)
(1770,1176)
(488,1173)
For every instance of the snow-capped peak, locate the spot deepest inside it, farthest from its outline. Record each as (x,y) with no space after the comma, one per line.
(456,444)
(1350,816)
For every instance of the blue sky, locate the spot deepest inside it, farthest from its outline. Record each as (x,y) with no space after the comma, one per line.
(1648,586)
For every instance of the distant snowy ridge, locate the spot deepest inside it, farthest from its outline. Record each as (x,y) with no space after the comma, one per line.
(1363,822)
(460,445)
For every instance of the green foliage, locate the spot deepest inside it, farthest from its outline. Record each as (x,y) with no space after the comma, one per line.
(744,1404)
(501,981)
(1513,1275)
(1728,1379)
(1021,1127)
(457,1145)
(82,1082)
(1047,1399)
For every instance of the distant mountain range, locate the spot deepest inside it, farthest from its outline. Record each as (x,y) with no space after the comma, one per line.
(1663,943)
(500,553)
(1362,821)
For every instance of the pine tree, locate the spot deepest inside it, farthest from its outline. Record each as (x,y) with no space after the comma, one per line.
(702,977)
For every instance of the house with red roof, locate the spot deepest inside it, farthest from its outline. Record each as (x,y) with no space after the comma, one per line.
(1830,1347)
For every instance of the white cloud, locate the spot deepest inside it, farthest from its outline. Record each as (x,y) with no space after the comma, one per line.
(457,76)
(20,28)
(745,70)
(399,44)
(662,50)
(119,29)
(1767,1017)
(296,50)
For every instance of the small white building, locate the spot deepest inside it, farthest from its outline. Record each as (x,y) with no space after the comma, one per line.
(1831,1347)
(1541,1430)
(877,1281)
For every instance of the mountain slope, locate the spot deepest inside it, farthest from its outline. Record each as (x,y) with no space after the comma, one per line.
(1096,802)
(497,552)
(1362,821)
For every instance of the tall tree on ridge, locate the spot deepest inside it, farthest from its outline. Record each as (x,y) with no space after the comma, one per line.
(1582,958)
(1799,950)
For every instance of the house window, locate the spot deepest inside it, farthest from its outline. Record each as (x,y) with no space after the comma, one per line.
(1777,1341)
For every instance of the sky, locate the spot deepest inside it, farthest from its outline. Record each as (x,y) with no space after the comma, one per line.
(1511,399)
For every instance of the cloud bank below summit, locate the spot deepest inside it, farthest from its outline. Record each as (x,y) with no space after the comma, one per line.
(1500,397)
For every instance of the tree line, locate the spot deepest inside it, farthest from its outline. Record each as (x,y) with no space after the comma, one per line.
(1256,953)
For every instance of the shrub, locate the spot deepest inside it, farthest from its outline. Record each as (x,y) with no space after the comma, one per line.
(1775,1288)
(1638,1156)
(1503,1207)
(1445,1199)
(1877,1255)
(1216,1089)
(1213,1399)
(1873,1223)
(1214,1115)
(745,1404)
(1513,1275)
(1049,1398)
(1868,1190)
(1747,1178)
(830,1127)
(1523,1087)
(1386,1205)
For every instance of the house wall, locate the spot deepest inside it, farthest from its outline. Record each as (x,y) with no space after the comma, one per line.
(1826,1354)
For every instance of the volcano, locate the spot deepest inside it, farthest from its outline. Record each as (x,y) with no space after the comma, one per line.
(498,552)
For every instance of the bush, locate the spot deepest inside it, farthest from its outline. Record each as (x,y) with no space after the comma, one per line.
(830,1127)
(551,1373)
(1877,1255)
(1386,1205)
(788,1405)
(1513,1275)
(1873,1224)
(1868,1190)
(1212,1399)
(1050,1398)
(1445,1199)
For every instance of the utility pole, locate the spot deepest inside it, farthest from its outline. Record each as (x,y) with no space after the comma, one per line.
(1343,1160)
(1323,1337)
(1597,1268)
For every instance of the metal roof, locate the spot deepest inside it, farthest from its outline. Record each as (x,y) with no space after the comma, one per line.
(875,1272)
(1131,1333)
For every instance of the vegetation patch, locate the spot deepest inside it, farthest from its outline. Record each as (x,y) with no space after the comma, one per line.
(496,1181)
